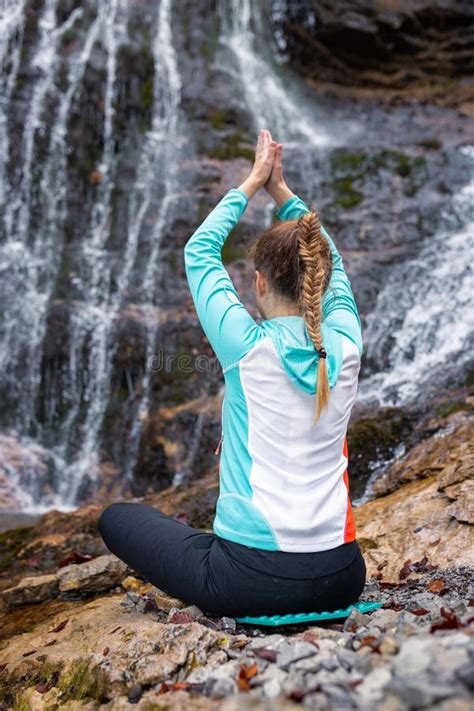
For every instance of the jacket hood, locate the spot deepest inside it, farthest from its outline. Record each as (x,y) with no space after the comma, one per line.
(297,353)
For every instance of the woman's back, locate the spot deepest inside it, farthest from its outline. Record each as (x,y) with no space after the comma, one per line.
(283,477)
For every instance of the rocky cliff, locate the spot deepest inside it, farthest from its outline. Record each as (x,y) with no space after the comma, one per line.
(389,50)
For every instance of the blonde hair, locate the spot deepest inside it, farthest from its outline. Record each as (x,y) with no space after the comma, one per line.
(315,254)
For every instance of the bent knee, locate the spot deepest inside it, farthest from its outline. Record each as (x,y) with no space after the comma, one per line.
(108,520)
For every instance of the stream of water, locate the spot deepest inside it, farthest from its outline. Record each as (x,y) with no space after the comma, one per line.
(67,451)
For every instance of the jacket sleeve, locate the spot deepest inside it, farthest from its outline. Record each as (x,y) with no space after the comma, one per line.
(229,327)
(340,310)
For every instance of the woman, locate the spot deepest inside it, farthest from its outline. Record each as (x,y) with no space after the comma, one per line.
(283,537)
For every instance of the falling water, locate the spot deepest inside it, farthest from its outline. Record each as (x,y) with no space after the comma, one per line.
(65,451)
(273,97)
(422,325)
(160,153)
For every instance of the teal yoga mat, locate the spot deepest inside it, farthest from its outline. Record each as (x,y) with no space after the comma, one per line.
(277,620)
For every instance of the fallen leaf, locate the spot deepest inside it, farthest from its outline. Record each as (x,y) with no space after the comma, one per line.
(28,654)
(391,605)
(388,585)
(297,695)
(59,628)
(450,622)
(420,612)
(436,586)
(371,641)
(269,654)
(74,559)
(106,651)
(420,566)
(181,618)
(51,644)
(245,674)
(241,643)
(382,565)
(405,570)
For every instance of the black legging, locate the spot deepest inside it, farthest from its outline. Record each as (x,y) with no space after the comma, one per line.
(226,578)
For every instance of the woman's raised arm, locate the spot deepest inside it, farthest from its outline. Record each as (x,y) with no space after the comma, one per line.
(229,327)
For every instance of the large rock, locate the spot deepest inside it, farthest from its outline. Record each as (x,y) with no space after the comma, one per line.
(449,454)
(31,590)
(418,522)
(422,48)
(97,575)
(426,504)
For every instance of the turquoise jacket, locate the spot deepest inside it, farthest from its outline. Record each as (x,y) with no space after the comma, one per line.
(270,371)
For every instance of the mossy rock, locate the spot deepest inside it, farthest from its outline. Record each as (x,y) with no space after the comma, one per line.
(82,681)
(12,687)
(448,408)
(470,377)
(431,144)
(373,439)
(348,196)
(352,169)
(219,118)
(348,161)
(147,94)
(235,145)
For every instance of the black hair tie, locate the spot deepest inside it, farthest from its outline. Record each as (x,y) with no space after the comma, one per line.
(322,353)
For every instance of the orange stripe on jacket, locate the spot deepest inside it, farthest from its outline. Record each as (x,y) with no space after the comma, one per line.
(349,528)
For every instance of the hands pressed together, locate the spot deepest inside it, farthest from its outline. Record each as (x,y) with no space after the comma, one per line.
(267,170)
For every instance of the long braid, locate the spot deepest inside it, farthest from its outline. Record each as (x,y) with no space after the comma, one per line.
(315,255)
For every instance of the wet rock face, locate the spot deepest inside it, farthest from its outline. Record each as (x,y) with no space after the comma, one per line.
(429,521)
(400,48)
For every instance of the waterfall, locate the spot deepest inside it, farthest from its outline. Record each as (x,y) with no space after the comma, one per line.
(273,97)
(422,325)
(62,448)
(160,154)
